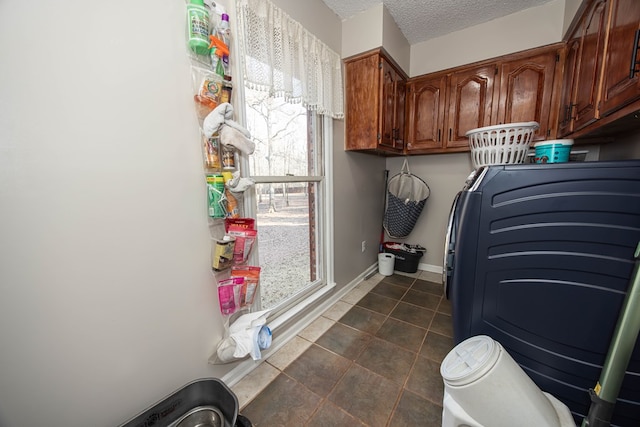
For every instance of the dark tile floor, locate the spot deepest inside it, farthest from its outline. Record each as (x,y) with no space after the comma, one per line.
(378,365)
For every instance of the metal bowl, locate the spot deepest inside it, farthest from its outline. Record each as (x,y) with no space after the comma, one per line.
(204,416)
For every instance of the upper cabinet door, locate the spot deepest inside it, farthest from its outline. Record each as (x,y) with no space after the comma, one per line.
(526,91)
(470,103)
(392,113)
(387,96)
(565,118)
(620,84)
(374,90)
(362,77)
(592,42)
(399,113)
(425,112)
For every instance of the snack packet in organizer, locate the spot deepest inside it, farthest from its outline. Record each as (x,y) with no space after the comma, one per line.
(239,224)
(244,243)
(251,275)
(207,98)
(229,291)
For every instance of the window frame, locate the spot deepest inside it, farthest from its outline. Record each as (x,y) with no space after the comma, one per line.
(323,135)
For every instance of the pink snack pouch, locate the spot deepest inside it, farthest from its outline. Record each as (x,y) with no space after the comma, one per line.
(229,294)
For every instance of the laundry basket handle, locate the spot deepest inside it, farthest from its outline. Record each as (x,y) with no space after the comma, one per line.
(405,167)
(406,171)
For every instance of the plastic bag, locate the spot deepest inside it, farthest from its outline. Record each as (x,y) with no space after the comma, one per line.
(248,335)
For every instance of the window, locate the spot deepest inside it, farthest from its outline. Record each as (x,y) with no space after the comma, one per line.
(292,90)
(290,196)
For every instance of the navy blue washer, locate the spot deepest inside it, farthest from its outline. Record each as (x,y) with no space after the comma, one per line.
(543,255)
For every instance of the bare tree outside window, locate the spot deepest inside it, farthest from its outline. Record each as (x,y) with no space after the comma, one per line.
(286,208)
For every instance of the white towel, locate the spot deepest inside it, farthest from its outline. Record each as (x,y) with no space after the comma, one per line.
(221,115)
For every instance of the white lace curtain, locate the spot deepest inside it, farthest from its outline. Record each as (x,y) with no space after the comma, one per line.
(280,56)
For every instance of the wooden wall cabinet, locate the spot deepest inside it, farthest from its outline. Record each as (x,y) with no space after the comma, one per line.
(442,107)
(426,112)
(583,87)
(582,75)
(375,104)
(599,76)
(470,103)
(621,70)
(529,89)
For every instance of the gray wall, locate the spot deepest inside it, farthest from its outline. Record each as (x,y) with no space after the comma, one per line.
(624,147)
(358,199)
(444,174)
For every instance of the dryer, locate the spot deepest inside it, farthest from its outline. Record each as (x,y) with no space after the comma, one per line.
(539,258)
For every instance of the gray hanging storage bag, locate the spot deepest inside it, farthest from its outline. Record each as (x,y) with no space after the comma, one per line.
(406,197)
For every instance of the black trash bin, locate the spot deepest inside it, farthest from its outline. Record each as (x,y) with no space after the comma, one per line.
(407,256)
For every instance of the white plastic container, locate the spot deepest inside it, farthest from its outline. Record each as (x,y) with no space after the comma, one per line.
(386,263)
(553,151)
(485,387)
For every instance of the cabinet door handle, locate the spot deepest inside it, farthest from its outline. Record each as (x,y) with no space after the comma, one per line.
(634,56)
(568,113)
(449,134)
(439,134)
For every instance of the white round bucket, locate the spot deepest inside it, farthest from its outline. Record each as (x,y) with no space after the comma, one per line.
(385,263)
(485,387)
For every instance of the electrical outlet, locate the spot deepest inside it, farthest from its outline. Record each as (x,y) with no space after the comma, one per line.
(364,245)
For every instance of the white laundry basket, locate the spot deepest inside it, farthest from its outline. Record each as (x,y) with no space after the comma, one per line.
(485,387)
(501,144)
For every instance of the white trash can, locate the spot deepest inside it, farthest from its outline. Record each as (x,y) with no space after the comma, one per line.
(385,263)
(485,387)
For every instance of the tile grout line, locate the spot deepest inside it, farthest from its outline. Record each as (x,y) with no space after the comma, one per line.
(352,363)
(404,383)
(281,371)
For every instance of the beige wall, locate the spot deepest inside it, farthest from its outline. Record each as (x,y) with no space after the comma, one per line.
(446,173)
(363,31)
(108,300)
(570,9)
(394,41)
(371,29)
(624,147)
(530,28)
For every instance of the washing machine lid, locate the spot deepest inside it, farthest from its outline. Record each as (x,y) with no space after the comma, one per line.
(470,360)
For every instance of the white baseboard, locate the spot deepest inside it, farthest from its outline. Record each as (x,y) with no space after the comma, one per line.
(283,336)
(430,268)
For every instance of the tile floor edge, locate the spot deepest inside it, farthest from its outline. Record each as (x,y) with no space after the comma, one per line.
(245,367)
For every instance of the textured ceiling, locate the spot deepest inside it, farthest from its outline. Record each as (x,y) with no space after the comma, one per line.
(421,20)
